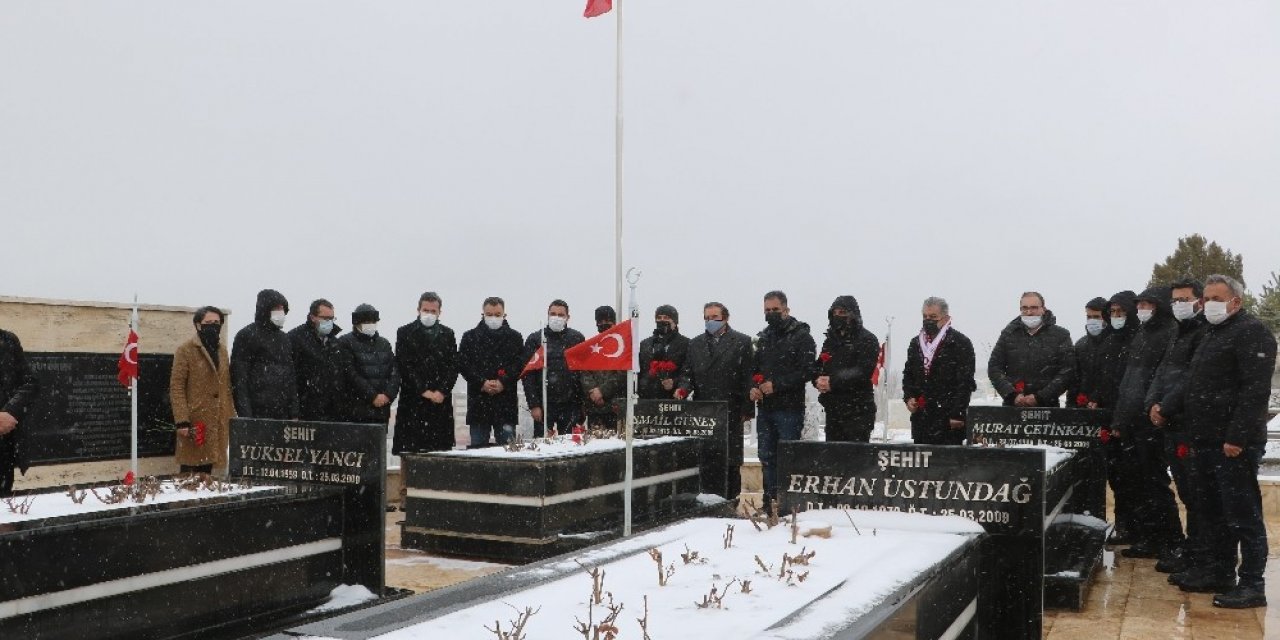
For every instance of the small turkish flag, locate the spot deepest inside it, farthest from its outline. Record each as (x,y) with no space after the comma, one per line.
(609,351)
(128,364)
(875,372)
(597,8)
(535,363)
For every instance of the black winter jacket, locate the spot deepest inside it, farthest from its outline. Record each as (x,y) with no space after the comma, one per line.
(427,358)
(18,390)
(1044,362)
(373,372)
(1169,387)
(949,383)
(322,368)
(563,385)
(785,355)
(848,357)
(720,370)
(264,381)
(1145,351)
(488,354)
(672,347)
(1230,382)
(1115,350)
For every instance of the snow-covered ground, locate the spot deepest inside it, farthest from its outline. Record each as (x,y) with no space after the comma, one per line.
(56,504)
(1053,456)
(852,570)
(557,447)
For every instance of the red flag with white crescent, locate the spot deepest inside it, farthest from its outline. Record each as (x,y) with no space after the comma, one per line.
(875,372)
(535,363)
(608,351)
(597,8)
(128,364)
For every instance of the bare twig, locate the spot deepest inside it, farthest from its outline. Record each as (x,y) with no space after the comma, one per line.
(517,625)
(855,527)
(728,536)
(763,567)
(597,582)
(691,557)
(644,622)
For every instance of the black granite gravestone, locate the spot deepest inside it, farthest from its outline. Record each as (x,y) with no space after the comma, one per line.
(707,421)
(352,456)
(1004,490)
(82,412)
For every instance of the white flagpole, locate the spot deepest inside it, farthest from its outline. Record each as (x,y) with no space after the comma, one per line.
(884,377)
(633,277)
(133,391)
(617,163)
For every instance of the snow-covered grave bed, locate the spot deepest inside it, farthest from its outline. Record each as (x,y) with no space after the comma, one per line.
(832,574)
(546,498)
(165,561)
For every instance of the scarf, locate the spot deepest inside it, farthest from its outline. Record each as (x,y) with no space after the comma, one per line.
(929,348)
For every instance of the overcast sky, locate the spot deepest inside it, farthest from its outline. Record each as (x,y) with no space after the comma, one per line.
(195,153)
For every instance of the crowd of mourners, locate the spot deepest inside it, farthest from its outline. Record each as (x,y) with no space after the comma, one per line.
(1183,371)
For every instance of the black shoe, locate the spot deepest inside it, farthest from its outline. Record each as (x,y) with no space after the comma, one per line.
(1207,583)
(1118,538)
(1173,560)
(391,508)
(1241,597)
(1141,550)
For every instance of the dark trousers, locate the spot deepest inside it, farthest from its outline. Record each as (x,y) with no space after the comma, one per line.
(934,429)
(1155,512)
(1183,472)
(1121,482)
(561,416)
(772,427)
(1232,511)
(8,464)
(502,434)
(848,419)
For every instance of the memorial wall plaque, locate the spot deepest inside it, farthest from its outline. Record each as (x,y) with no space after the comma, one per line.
(1001,489)
(1076,429)
(353,456)
(83,413)
(708,421)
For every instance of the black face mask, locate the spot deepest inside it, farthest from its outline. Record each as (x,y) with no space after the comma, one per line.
(603,327)
(930,327)
(662,328)
(773,318)
(841,322)
(209,336)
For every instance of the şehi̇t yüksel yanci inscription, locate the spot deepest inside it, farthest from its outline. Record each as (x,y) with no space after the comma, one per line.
(353,456)
(707,421)
(82,412)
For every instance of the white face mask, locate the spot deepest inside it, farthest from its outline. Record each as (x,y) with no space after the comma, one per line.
(277,318)
(1215,312)
(1145,314)
(428,319)
(369,328)
(557,323)
(1093,326)
(1117,323)
(1184,310)
(325,327)
(493,322)
(1032,322)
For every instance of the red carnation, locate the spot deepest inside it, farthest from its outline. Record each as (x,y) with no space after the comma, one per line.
(1182,451)
(920,401)
(1019,386)
(200,431)
(758,378)
(667,366)
(681,394)
(1104,435)
(577,434)
(502,373)
(653,368)
(128,479)
(824,356)
(1082,400)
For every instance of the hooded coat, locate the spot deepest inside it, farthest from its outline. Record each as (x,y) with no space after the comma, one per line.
(200,392)
(1169,387)
(372,372)
(491,354)
(1229,384)
(18,390)
(946,388)
(323,370)
(785,354)
(1089,360)
(427,359)
(1113,354)
(263,376)
(661,347)
(847,359)
(1148,346)
(1043,362)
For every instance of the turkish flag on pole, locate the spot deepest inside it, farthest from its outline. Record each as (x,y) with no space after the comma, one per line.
(609,351)
(129,360)
(597,8)
(535,363)
(875,373)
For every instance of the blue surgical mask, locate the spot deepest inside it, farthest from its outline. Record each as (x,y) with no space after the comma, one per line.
(1117,323)
(1093,326)
(714,326)
(325,327)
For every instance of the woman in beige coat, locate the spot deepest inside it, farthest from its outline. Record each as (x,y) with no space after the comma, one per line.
(200,392)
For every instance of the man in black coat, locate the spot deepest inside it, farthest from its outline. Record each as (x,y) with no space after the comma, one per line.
(427,359)
(374,380)
(564,393)
(719,369)
(1226,414)
(938,379)
(1033,361)
(18,390)
(842,373)
(1090,357)
(785,353)
(321,366)
(1142,447)
(490,358)
(604,393)
(662,356)
(263,378)
(1122,320)
(1165,411)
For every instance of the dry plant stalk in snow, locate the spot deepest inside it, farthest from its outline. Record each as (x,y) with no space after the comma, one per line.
(517,625)
(855,527)
(663,574)
(715,598)
(795,525)
(597,582)
(77,495)
(746,586)
(22,506)
(691,557)
(644,622)
(764,567)
(607,629)
(728,536)
(803,558)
